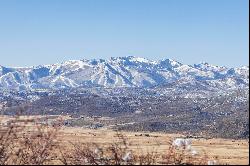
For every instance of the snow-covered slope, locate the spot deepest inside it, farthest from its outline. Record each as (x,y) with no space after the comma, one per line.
(122,72)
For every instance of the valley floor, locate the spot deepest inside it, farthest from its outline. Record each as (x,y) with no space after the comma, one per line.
(225,151)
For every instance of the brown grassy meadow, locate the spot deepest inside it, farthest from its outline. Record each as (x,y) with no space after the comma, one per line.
(24,141)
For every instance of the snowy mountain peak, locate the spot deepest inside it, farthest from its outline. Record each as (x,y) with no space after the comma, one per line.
(169,63)
(132,60)
(209,67)
(127,71)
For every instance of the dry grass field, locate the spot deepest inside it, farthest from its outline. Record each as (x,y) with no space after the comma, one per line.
(225,151)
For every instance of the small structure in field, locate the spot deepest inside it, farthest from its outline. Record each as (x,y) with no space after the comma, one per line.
(186,144)
(182,143)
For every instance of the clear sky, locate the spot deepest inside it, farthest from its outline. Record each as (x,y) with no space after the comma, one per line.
(36,32)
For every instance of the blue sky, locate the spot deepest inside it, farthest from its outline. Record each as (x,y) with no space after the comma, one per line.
(36,32)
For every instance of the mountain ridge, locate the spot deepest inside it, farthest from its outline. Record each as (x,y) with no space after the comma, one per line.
(127,71)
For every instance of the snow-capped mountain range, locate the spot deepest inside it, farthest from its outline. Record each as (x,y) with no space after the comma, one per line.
(122,72)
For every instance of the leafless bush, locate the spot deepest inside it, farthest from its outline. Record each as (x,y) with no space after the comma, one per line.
(116,153)
(21,144)
(183,156)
